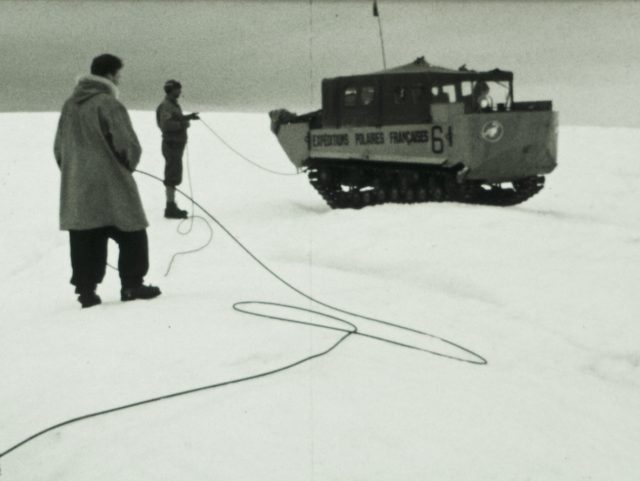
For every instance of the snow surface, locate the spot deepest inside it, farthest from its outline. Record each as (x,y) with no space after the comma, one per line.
(545,291)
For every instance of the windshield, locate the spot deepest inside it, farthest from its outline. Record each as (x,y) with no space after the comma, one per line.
(491,95)
(477,95)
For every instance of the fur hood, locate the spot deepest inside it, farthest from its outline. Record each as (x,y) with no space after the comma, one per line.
(88,86)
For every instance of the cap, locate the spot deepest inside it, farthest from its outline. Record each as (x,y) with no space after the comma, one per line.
(172,84)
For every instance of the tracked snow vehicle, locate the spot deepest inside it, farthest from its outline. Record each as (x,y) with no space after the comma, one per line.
(419,133)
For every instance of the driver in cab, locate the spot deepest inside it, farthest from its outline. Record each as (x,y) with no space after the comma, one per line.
(480,97)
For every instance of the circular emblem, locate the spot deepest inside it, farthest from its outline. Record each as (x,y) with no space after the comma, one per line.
(492,131)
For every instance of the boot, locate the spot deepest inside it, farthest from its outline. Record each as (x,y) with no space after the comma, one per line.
(139,292)
(173,212)
(89,299)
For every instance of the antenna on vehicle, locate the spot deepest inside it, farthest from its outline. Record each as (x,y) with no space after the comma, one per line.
(376,13)
(311,52)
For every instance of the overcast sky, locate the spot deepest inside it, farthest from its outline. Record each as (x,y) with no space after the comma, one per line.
(254,56)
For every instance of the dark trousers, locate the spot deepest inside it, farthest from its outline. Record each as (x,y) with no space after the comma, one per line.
(172,152)
(89,256)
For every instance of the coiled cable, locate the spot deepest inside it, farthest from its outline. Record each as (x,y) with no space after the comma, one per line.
(347,330)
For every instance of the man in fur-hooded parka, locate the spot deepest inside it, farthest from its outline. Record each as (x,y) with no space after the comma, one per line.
(97,151)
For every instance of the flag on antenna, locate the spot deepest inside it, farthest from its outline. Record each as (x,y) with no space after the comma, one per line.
(375,8)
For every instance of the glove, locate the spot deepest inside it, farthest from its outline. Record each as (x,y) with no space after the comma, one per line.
(193,116)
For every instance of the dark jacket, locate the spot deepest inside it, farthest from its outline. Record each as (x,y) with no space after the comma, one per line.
(171,121)
(97,150)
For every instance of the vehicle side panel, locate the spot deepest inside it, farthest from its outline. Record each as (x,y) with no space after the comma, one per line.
(421,143)
(506,146)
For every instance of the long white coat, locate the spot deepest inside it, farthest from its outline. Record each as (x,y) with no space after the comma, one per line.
(97,151)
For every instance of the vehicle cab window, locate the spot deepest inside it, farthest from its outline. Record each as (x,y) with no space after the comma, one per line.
(436,95)
(350,97)
(440,95)
(367,95)
(466,88)
(419,94)
(399,95)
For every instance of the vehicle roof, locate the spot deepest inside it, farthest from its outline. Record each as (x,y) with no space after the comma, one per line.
(421,66)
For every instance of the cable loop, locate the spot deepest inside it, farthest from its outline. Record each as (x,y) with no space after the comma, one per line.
(190,220)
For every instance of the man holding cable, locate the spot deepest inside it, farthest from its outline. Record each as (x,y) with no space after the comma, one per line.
(97,151)
(173,125)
